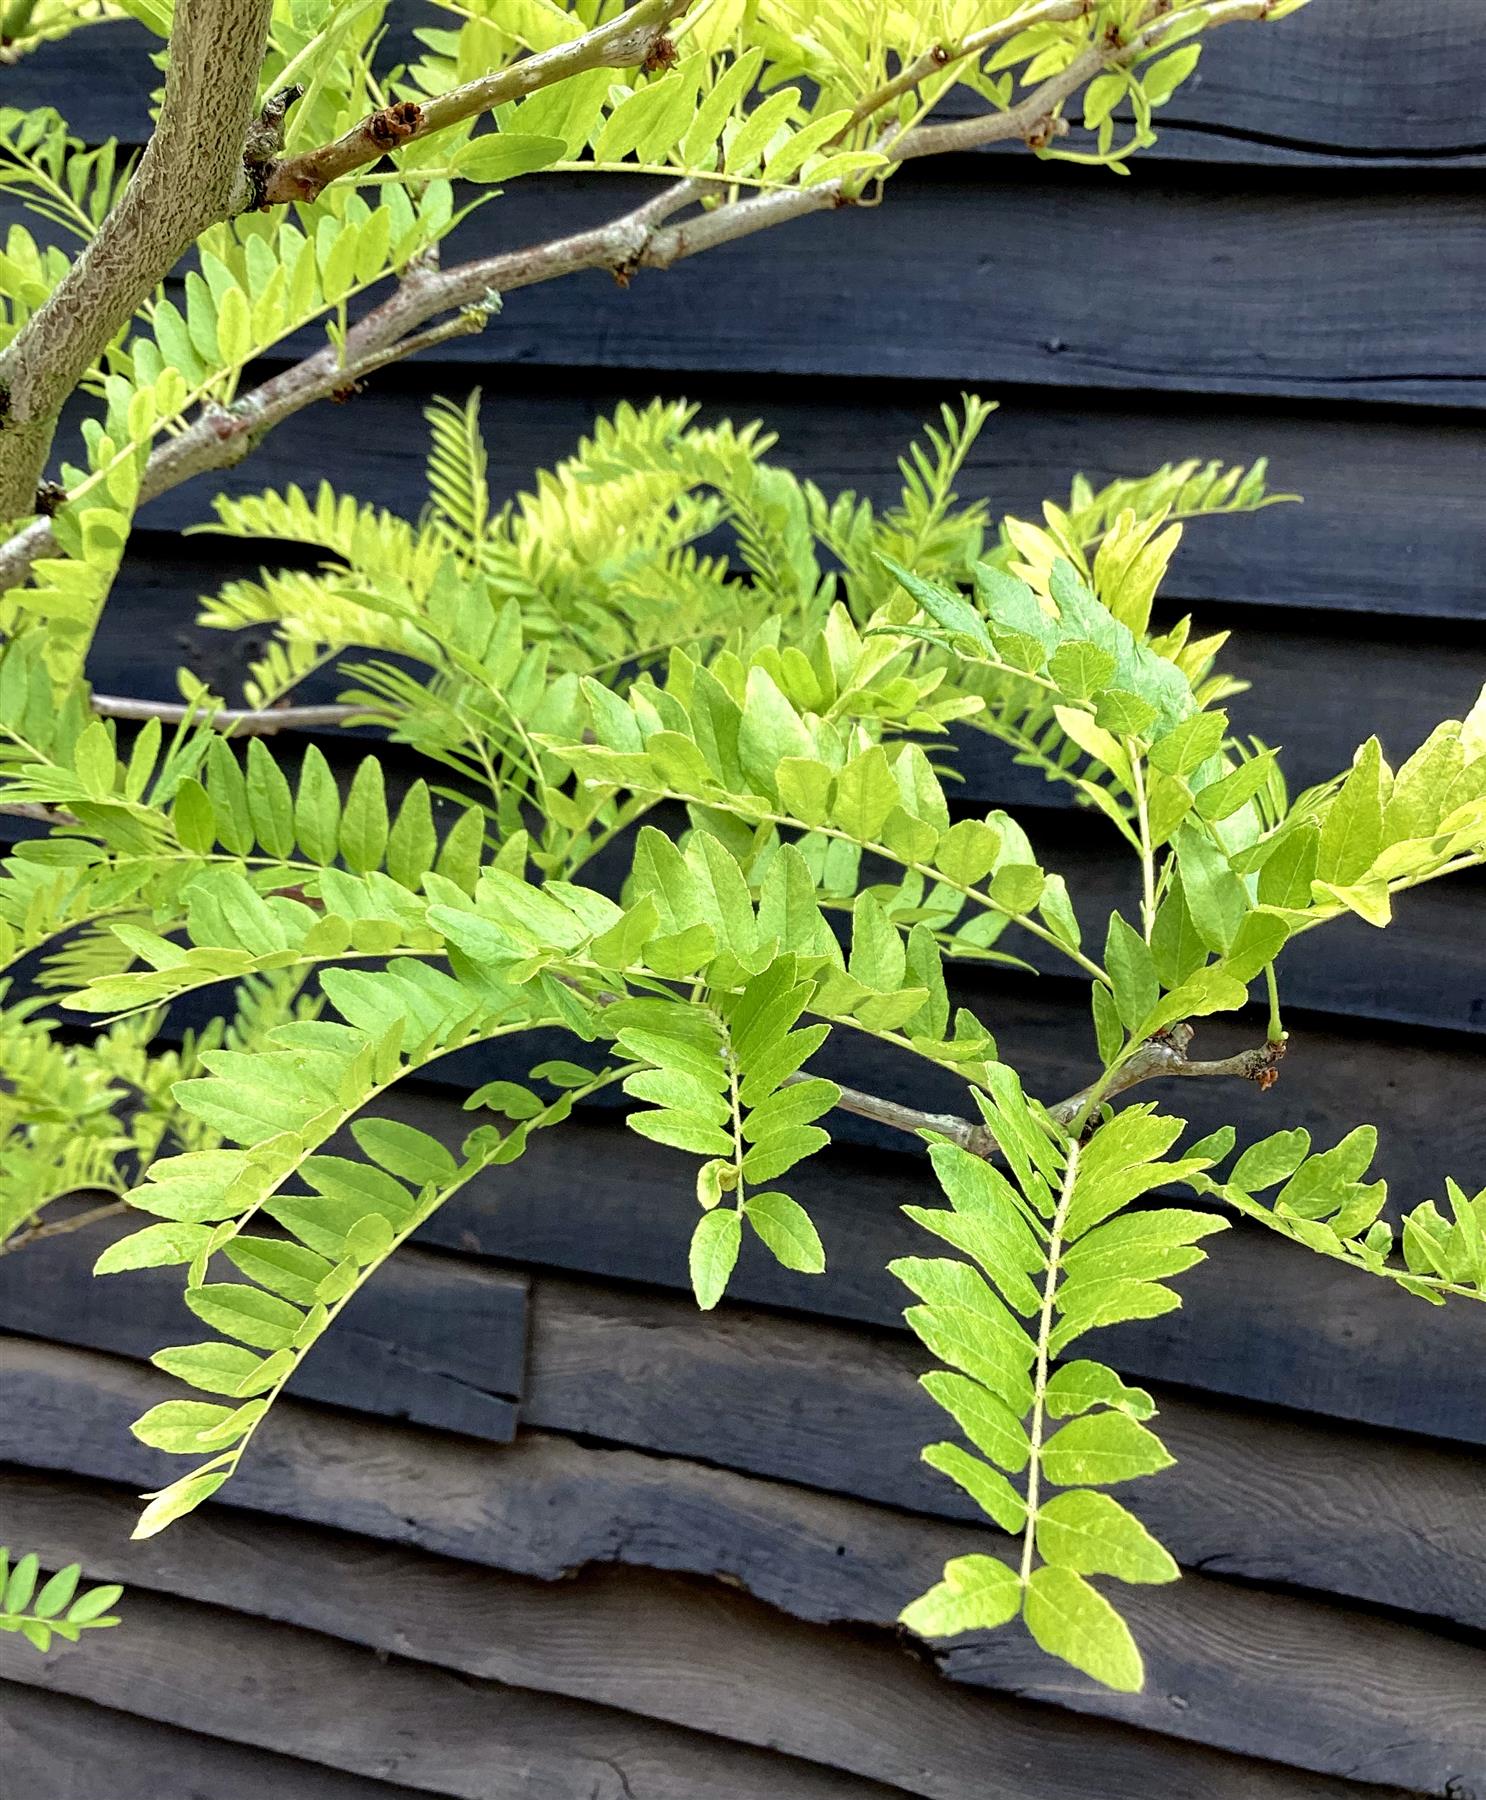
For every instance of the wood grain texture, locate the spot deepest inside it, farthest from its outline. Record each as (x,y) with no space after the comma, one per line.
(1375,82)
(1262,1321)
(1147,285)
(302,1695)
(836,1410)
(1150,285)
(437,1342)
(1403,1532)
(1271,1498)
(672,1648)
(53,1747)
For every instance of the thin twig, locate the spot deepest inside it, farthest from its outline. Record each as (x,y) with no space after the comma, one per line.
(625,42)
(1160,1059)
(33,809)
(940,57)
(234,721)
(60,1227)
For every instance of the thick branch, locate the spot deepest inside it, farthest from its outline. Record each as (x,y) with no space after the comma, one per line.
(633,38)
(1165,1058)
(969,1136)
(190,176)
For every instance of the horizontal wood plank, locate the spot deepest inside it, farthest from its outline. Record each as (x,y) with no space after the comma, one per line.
(842,1412)
(1150,286)
(1377,82)
(1384,1520)
(1264,1321)
(56,1748)
(1391,521)
(438,1343)
(302,1695)
(661,1646)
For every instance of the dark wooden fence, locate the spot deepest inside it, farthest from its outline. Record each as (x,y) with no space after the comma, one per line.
(734,1501)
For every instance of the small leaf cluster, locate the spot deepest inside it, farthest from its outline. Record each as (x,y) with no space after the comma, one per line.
(724,1084)
(1324,1203)
(55,1609)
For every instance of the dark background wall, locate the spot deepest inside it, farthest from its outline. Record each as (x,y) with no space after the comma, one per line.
(735,1500)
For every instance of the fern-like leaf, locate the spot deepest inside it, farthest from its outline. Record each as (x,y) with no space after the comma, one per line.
(1056,1254)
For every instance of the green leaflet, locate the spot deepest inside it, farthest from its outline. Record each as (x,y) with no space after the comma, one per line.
(1056,1245)
(723,1081)
(1073,1621)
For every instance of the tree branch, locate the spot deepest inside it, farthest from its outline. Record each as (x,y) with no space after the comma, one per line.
(642,238)
(191,175)
(234,721)
(1042,104)
(1160,1059)
(975,1138)
(1165,1058)
(633,38)
(942,56)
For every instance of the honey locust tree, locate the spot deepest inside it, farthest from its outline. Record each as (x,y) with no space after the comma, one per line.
(576,668)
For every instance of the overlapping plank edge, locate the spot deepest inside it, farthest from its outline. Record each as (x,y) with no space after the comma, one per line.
(1429,971)
(1200,299)
(434,1730)
(1270,1676)
(1263,1322)
(1391,522)
(52,1746)
(1266,1497)
(1372,84)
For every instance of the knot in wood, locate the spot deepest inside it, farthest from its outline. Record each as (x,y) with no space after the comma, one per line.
(1041,132)
(394,125)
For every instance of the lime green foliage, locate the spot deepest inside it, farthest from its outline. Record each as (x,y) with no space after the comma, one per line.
(763,98)
(1056,1254)
(54,1608)
(667,619)
(795,700)
(1323,1203)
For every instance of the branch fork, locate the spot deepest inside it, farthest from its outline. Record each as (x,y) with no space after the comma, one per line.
(1159,1058)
